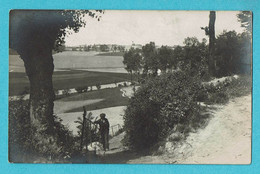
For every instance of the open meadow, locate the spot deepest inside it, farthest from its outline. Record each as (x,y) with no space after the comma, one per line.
(87,69)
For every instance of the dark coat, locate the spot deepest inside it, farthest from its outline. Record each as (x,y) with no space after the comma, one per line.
(103,125)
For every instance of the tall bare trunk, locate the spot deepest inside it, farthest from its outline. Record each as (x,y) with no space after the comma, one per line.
(212,19)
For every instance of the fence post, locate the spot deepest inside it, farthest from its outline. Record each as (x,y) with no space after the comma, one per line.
(83,128)
(112,131)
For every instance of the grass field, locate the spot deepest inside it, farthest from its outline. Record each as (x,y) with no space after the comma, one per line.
(18,81)
(110,98)
(102,68)
(75,60)
(84,60)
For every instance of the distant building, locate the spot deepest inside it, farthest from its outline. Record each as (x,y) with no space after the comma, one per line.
(135,46)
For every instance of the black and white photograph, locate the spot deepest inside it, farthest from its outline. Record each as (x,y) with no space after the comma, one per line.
(130,87)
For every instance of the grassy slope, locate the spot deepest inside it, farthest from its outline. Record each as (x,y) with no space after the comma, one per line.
(112,97)
(18,81)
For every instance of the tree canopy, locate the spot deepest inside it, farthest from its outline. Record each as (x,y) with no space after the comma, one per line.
(150,60)
(132,60)
(233,53)
(29,28)
(245,17)
(166,59)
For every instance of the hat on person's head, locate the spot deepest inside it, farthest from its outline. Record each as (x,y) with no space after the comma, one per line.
(102,115)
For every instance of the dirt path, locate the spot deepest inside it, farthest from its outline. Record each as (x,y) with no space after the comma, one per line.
(225,140)
(118,154)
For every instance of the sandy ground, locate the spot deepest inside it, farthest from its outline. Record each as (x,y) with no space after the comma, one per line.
(225,140)
(113,114)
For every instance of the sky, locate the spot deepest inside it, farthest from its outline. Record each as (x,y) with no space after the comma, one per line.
(125,27)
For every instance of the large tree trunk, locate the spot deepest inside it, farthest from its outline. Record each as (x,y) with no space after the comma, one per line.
(39,69)
(212,66)
(41,89)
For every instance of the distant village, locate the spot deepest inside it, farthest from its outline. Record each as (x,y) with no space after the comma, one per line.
(104,47)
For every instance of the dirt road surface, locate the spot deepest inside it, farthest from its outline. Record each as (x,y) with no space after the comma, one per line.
(225,140)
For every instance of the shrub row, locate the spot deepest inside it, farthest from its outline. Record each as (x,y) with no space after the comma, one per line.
(223,91)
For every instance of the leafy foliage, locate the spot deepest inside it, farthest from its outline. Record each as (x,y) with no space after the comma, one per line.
(48,26)
(90,131)
(233,53)
(195,55)
(221,92)
(150,60)
(132,60)
(191,57)
(22,144)
(98,85)
(166,59)
(19,131)
(245,17)
(157,106)
(104,48)
(66,92)
(82,89)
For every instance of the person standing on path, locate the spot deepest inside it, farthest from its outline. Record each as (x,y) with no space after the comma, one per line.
(104,130)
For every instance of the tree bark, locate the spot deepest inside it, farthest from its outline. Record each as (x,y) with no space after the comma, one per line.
(39,69)
(211,61)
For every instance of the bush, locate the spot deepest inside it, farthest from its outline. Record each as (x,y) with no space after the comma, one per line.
(220,93)
(240,87)
(115,82)
(82,89)
(133,83)
(66,92)
(157,106)
(211,94)
(23,147)
(98,85)
(56,92)
(90,131)
(20,147)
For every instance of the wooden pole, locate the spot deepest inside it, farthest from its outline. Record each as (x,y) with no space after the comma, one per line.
(83,128)
(211,64)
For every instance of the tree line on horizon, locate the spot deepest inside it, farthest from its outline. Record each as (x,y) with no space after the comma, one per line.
(232,55)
